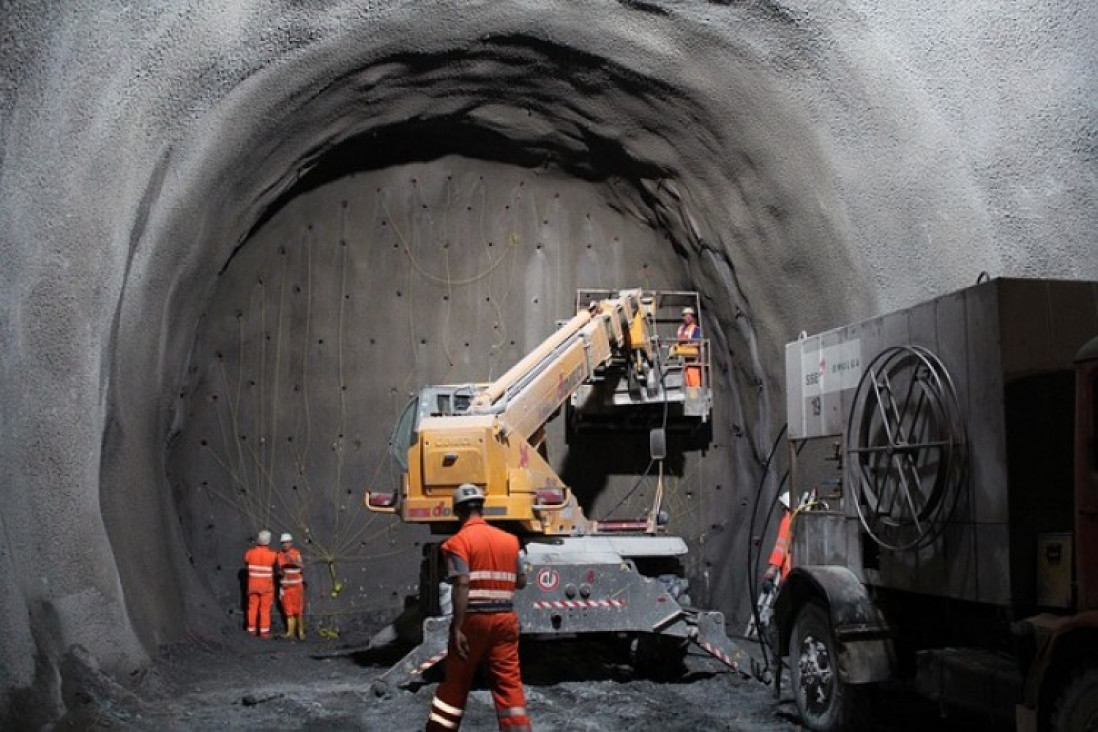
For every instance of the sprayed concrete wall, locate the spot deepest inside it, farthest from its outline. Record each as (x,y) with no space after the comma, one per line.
(334,312)
(172,189)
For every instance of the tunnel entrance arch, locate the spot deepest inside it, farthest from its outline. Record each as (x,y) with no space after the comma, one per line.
(653,150)
(341,304)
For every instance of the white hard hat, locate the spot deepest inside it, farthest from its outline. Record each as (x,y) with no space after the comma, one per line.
(688,311)
(467,493)
(285,538)
(263,538)
(784,499)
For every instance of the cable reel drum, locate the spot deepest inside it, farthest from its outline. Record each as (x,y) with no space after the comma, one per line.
(906,448)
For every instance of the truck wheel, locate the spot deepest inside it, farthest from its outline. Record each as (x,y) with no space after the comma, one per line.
(1077,706)
(823,700)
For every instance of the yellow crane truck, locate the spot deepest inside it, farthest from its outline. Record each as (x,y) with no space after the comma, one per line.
(618,354)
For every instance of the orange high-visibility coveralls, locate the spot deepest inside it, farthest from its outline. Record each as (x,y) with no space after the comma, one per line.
(490,556)
(689,351)
(292,582)
(260,561)
(782,557)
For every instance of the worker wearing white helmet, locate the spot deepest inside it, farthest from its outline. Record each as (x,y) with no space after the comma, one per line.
(291,591)
(260,561)
(484,566)
(689,330)
(687,348)
(781,558)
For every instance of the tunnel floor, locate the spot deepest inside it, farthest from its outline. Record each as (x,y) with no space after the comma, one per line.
(236,682)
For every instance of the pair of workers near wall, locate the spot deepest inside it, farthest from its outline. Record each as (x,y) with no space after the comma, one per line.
(264,565)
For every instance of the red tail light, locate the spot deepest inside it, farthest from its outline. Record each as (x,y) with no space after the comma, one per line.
(550,497)
(383,500)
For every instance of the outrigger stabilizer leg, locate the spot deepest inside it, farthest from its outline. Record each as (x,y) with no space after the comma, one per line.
(704,628)
(409,670)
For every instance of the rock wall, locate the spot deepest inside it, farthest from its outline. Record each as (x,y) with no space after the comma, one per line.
(799,163)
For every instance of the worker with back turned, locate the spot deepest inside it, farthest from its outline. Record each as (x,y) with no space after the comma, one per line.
(483,564)
(260,561)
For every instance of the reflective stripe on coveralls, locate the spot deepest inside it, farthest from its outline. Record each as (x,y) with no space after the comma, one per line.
(493,643)
(289,565)
(260,561)
(490,557)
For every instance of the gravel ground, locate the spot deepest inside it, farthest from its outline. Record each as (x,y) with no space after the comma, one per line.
(241,683)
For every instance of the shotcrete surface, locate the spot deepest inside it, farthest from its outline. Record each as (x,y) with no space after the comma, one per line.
(275,684)
(801,164)
(237,683)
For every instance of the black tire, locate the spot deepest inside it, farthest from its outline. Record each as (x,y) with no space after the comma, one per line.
(823,700)
(1076,708)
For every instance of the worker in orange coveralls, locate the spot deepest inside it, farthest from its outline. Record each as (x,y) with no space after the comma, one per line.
(688,332)
(483,564)
(781,558)
(291,587)
(260,560)
(779,565)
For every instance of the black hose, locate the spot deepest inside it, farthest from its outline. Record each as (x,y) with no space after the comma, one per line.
(753,562)
(663,426)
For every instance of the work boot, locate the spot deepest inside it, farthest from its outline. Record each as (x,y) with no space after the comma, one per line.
(291,627)
(300,623)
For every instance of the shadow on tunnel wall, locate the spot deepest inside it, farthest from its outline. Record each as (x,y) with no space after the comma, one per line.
(426,140)
(611,470)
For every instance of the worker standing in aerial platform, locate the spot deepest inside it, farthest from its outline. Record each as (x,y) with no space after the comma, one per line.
(688,333)
(260,561)
(291,575)
(484,566)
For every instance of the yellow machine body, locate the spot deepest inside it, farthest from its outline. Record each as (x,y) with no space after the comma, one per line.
(491,435)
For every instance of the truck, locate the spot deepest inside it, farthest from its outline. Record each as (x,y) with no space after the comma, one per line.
(616,364)
(948,458)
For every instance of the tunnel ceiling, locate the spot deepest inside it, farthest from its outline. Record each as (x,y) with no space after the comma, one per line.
(529,102)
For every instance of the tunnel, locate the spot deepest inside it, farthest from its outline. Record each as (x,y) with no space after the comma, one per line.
(241,235)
